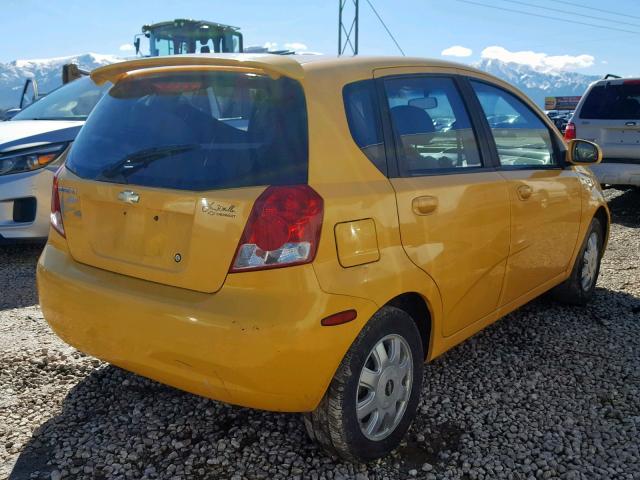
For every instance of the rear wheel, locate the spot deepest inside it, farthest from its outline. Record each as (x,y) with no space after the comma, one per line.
(579,287)
(373,396)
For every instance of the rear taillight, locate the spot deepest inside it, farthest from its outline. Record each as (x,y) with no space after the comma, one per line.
(283,229)
(570,132)
(56,211)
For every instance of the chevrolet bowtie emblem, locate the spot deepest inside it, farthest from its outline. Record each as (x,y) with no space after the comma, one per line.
(129,197)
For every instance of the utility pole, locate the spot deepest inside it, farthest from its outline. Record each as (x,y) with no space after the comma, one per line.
(348,29)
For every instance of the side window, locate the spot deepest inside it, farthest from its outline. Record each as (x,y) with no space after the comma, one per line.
(521,137)
(363,116)
(431,125)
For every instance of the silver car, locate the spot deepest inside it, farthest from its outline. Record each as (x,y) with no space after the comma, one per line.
(609,115)
(30,145)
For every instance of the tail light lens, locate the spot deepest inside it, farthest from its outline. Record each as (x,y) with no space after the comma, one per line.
(283,229)
(570,132)
(56,211)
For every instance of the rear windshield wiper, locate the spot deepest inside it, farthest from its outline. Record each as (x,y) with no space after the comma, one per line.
(142,158)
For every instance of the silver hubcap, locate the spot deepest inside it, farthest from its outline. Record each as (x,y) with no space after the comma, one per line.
(384,387)
(590,262)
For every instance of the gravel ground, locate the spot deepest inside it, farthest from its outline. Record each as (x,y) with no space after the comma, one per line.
(549,392)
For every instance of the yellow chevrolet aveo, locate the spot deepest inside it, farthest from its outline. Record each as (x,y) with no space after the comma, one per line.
(301,234)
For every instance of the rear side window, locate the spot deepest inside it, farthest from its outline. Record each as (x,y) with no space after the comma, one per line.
(364,121)
(613,102)
(431,125)
(196,131)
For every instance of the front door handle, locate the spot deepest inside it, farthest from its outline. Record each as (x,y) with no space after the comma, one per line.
(524,192)
(424,205)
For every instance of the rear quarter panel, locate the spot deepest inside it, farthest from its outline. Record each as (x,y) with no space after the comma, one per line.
(353,189)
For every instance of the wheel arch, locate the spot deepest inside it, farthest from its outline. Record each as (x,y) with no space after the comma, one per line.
(603,217)
(419,309)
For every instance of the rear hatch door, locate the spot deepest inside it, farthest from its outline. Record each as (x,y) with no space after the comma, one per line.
(610,116)
(161,180)
(183,239)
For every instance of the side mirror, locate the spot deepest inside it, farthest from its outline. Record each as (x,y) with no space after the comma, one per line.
(136,44)
(583,152)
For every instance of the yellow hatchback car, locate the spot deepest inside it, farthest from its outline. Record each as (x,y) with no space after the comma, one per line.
(301,234)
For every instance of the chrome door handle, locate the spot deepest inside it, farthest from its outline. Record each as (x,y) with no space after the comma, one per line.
(424,205)
(524,192)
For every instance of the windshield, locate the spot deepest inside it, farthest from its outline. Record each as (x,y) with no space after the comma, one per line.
(172,44)
(196,131)
(73,101)
(613,102)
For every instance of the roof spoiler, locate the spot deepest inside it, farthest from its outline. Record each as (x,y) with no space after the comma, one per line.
(274,65)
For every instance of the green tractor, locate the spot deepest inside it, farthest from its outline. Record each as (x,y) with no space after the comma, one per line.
(189,36)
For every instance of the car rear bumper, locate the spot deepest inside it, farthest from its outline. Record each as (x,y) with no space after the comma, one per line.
(617,173)
(257,342)
(25,204)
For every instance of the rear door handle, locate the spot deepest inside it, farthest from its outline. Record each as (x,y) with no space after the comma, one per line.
(524,192)
(424,205)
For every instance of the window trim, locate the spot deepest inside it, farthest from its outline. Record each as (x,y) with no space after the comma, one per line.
(392,142)
(558,152)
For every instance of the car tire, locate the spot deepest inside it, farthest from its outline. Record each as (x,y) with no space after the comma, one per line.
(373,377)
(579,287)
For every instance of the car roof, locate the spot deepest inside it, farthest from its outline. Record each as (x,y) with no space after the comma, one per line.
(616,81)
(294,66)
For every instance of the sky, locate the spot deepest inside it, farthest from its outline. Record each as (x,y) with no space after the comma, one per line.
(459,30)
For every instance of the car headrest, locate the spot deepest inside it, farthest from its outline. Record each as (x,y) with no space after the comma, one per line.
(409,120)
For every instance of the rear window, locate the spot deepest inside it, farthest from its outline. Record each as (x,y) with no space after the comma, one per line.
(613,101)
(196,131)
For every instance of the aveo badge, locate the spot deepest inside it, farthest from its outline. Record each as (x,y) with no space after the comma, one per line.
(218,209)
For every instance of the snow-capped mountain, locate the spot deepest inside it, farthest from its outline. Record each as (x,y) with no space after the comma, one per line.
(47,72)
(537,84)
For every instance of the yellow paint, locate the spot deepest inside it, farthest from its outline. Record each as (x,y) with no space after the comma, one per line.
(544,227)
(465,243)
(357,242)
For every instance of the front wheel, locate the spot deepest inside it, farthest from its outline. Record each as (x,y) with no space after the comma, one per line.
(579,287)
(373,396)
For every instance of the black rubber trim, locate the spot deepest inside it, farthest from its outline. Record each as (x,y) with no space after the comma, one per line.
(628,161)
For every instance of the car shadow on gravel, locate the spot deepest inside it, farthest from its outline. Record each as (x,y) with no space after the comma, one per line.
(625,207)
(114,421)
(18,275)
(544,362)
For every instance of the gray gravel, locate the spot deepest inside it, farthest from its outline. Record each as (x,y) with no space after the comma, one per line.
(549,392)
